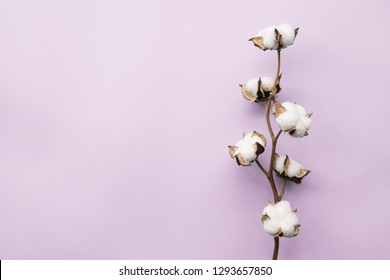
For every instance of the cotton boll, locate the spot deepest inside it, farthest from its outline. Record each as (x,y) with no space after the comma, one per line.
(287,120)
(257,139)
(251,139)
(271,226)
(283,208)
(287,228)
(300,130)
(306,122)
(253,86)
(269,38)
(294,119)
(248,152)
(293,169)
(290,106)
(248,136)
(279,219)
(267,83)
(293,217)
(270,210)
(288,34)
(300,110)
(279,164)
(238,145)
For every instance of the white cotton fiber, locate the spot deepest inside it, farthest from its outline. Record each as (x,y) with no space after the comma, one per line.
(283,208)
(306,122)
(246,148)
(270,210)
(280,218)
(238,145)
(302,126)
(293,169)
(269,38)
(267,83)
(288,34)
(300,110)
(252,139)
(290,106)
(287,227)
(248,136)
(279,164)
(296,118)
(293,217)
(257,139)
(287,120)
(253,86)
(271,226)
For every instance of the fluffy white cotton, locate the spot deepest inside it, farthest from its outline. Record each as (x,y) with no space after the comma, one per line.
(281,218)
(288,34)
(253,86)
(300,110)
(290,106)
(300,130)
(248,152)
(283,208)
(302,127)
(287,120)
(279,164)
(271,226)
(296,118)
(269,37)
(288,227)
(270,210)
(305,121)
(293,169)
(250,138)
(292,216)
(246,147)
(267,83)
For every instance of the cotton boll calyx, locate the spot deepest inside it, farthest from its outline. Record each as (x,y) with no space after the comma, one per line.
(275,37)
(248,149)
(259,90)
(280,220)
(288,169)
(292,118)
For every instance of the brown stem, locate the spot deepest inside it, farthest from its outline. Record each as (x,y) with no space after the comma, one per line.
(276,248)
(270,174)
(267,111)
(270,180)
(282,191)
(273,152)
(277,135)
(277,74)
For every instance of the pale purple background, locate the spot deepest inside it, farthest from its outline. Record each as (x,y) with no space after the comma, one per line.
(115,118)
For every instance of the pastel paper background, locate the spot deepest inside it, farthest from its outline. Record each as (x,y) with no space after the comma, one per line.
(115,118)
